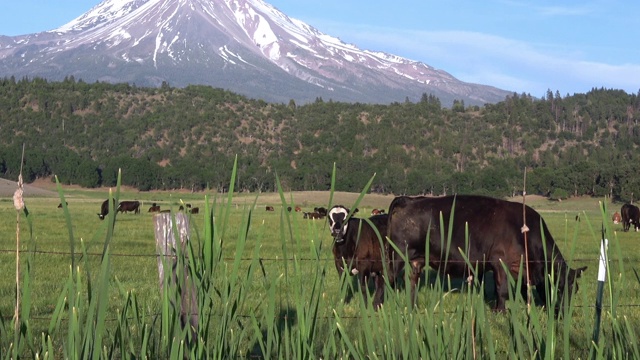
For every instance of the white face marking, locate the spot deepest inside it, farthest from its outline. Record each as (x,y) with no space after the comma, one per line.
(337,217)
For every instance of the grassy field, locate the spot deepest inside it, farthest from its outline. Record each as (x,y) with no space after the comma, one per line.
(286,267)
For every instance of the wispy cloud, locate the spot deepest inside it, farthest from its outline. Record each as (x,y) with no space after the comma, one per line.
(506,63)
(553,10)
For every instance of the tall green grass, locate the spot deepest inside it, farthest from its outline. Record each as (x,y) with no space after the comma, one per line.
(294,307)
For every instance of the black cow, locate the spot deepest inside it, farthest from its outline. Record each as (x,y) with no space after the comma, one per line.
(358,247)
(312,215)
(60,205)
(630,215)
(269,208)
(126,206)
(320,210)
(495,241)
(104,208)
(195,210)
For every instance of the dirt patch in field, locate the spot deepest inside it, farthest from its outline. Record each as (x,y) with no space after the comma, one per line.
(8,187)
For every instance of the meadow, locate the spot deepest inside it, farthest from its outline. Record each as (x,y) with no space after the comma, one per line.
(270,287)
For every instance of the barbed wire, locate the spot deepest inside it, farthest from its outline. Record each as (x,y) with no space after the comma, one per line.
(63,253)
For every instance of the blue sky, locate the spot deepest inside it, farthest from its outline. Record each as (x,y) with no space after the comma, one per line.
(522,46)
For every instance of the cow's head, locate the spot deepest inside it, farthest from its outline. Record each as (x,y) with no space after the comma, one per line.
(570,283)
(338,222)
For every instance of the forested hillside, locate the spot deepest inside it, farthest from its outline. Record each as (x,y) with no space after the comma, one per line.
(167,138)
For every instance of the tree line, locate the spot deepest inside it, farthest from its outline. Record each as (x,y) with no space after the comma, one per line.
(171,138)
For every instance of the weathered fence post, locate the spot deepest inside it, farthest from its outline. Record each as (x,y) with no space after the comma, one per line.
(167,254)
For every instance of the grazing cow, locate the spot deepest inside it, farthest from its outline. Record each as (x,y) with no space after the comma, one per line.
(616,218)
(630,215)
(126,206)
(60,205)
(269,208)
(320,210)
(495,241)
(298,209)
(359,248)
(289,208)
(312,215)
(154,208)
(104,208)
(195,210)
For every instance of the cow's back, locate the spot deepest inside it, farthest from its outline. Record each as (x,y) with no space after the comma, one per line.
(493,227)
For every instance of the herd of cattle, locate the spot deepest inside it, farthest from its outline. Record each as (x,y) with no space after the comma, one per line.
(134,207)
(463,236)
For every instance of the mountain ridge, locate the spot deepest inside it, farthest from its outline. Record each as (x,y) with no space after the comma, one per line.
(247,46)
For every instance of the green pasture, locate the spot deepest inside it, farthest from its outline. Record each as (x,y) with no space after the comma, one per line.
(290,300)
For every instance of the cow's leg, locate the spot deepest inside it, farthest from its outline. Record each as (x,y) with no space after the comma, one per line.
(416,269)
(502,287)
(364,288)
(378,297)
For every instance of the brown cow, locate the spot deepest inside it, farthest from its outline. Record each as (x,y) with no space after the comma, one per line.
(126,206)
(154,208)
(358,247)
(495,242)
(298,209)
(616,218)
(269,208)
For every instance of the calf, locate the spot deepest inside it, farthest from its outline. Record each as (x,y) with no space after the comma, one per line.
(359,248)
(616,218)
(126,206)
(630,215)
(495,241)
(154,208)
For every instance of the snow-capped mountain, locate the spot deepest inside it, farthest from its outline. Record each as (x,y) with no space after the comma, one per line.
(246,46)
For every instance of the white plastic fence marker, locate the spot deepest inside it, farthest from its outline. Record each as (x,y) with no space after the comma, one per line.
(602,275)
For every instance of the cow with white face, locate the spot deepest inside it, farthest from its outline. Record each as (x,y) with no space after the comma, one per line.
(358,249)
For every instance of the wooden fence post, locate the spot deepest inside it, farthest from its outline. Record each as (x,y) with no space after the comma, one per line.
(166,254)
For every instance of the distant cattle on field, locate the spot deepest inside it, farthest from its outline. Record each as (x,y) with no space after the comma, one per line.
(104,208)
(320,210)
(630,214)
(129,206)
(616,218)
(289,208)
(298,209)
(312,215)
(269,208)
(154,208)
(195,210)
(377,211)
(487,234)
(60,205)
(358,248)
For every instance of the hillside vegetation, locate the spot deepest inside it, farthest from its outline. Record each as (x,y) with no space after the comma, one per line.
(170,138)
